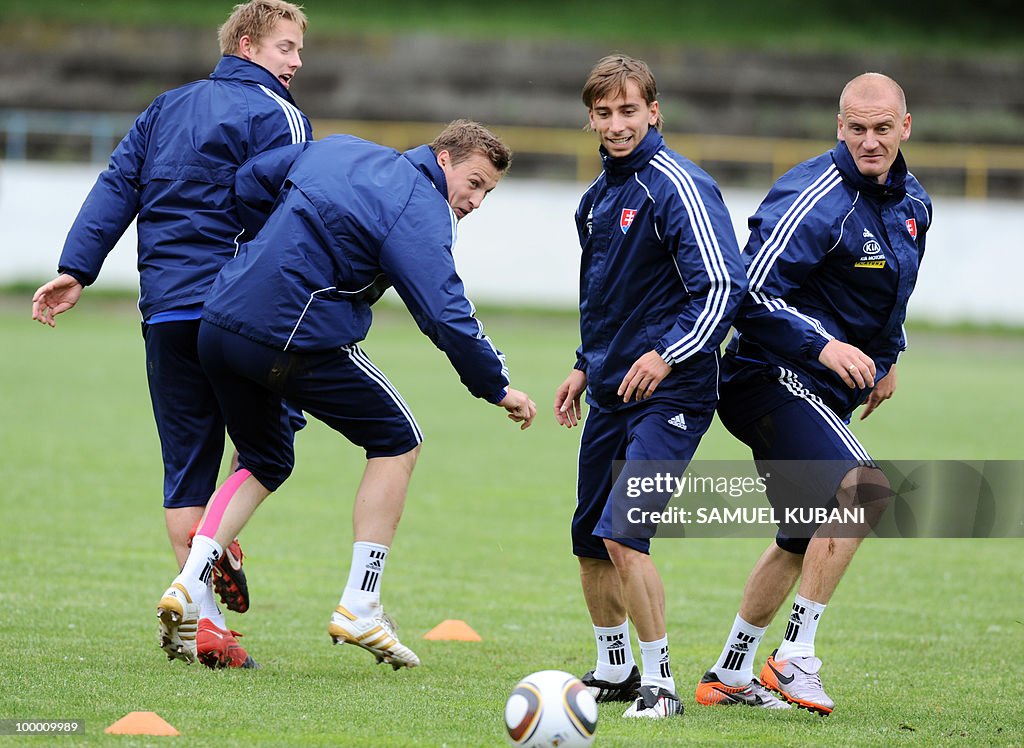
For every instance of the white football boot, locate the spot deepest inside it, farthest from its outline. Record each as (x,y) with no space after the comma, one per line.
(654,702)
(179,620)
(798,682)
(376,634)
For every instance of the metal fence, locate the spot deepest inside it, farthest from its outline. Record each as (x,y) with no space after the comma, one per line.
(971,170)
(975,171)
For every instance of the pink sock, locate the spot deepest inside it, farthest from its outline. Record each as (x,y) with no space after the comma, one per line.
(219,503)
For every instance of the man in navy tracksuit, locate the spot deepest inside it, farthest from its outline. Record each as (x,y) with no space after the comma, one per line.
(660,280)
(832,259)
(339,221)
(175,172)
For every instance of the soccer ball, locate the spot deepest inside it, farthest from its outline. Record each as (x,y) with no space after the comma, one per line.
(550,708)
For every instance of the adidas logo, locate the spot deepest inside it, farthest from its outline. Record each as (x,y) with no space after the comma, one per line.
(794,617)
(678,421)
(617,644)
(868,234)
(739,647)
(374,564)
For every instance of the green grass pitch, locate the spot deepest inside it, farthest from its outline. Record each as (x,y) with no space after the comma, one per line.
(923,642)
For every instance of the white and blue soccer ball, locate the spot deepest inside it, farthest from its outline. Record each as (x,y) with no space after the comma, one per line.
(550,708)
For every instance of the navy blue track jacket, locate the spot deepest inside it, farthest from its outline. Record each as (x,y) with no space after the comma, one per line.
(831,254)
(175,170)
(339,221)
(660,270)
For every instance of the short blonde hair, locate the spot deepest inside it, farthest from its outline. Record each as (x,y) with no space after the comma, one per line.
(610,76)
(257,19)
(462,138)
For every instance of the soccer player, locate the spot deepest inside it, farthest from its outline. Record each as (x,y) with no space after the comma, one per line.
(175,172)
(339,221)
(832,258)
(660,279)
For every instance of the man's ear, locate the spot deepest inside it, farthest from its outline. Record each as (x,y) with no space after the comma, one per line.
(246,47)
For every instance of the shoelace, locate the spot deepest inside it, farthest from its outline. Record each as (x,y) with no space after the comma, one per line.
(815,681)
(388,623)
(762,694)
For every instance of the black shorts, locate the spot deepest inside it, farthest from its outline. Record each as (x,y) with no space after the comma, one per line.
(188,418)
(660,431)
(342,388)
(802,448)
(188,414)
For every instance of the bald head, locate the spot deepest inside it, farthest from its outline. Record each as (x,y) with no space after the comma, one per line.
(873,87)
(873,121)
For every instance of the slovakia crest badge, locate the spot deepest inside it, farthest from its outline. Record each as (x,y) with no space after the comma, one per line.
(912,227)
(626,219)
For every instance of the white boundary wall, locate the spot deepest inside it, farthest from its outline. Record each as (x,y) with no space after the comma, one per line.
(521,247)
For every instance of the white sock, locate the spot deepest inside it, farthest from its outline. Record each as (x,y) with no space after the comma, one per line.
(195,574)
(614,654)
(208,608)
(803,625)
(362,592)
(657,671)
(735,666)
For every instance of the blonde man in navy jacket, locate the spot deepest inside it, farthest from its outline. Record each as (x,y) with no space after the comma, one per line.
(174,171)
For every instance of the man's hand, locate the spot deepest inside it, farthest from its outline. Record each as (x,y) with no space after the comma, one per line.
(568,410)
(520,407)
(644,376)
(54,298)
(853,366)
(883,391)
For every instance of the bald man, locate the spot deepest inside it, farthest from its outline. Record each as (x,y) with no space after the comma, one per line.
(832,259)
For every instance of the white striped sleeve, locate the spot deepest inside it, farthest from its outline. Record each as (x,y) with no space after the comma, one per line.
(716,302)
(781,239)
(292,115)
(787,225)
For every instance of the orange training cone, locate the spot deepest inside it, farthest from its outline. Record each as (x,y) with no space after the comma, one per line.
(452,630)
(141,723)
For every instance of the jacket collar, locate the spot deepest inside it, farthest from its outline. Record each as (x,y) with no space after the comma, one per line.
(235,68)
(641,155)
(895,186)
(423,158)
